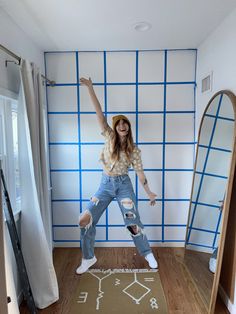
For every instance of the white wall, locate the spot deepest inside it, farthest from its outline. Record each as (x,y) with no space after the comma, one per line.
(217,53)
(12,37)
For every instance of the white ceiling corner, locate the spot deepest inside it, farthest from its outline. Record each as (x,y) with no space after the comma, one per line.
(108,24)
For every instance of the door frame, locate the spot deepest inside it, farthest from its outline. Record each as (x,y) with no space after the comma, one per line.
(3,285)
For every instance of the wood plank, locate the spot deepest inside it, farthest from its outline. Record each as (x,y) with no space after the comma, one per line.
(197,263)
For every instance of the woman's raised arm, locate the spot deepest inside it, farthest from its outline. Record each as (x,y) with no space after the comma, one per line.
(101,118)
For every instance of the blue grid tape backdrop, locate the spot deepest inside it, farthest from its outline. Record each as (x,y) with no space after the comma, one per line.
(66,230)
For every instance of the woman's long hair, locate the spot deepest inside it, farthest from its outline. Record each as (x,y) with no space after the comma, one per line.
(117,146)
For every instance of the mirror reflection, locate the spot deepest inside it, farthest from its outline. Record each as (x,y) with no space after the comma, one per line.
(213,159)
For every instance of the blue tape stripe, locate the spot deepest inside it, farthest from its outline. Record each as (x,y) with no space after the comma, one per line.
(79,135)
(166,143)
(217,228)
(92,143)
(65,226)
(139,199)
(131,170)
(105,103)
(67,200)
(205,204)
(140,143)
(156,83)
(216,148)
(211,175)
(63,143)
(76,170)
(163,147)
(62,84)
(65,170)
(171,199)
(180,143)
(122,112)
(180,111)
(128,83)
(194,116)
(219,117)
(136,117)
(175,170)
(105,81)
(62,112)
(204,168)
(204,230)
(120,225)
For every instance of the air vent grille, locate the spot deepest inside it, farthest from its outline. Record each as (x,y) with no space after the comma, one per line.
(207,83)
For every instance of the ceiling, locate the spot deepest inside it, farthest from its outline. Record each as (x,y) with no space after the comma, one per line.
(58,25)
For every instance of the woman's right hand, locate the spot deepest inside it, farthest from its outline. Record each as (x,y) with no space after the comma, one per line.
(86,82)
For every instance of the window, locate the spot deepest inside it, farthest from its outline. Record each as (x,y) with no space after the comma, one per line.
(9,149)
(15,150)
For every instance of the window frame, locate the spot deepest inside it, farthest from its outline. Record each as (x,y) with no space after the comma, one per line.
(7,105)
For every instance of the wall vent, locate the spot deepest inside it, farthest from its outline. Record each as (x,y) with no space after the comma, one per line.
(207,83)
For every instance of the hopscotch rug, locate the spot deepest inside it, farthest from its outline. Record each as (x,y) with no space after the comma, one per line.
(121,291)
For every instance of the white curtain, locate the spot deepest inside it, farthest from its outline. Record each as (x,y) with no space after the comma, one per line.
(35,188)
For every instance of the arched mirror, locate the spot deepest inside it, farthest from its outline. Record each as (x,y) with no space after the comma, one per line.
(210,197)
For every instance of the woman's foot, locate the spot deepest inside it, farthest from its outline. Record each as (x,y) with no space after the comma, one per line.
(85,264)
(151,260)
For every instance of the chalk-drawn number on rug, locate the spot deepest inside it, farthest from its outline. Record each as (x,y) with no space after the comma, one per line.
(82,297)
(147,279)
(153,303)
(117,282)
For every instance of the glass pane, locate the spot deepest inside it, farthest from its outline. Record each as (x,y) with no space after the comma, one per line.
(15,151)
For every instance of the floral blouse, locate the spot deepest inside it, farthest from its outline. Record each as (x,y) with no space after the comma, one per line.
(121,166)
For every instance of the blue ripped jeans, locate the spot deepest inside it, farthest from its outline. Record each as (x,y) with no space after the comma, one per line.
(119,187)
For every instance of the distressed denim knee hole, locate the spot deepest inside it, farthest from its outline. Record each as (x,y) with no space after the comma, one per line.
(85,220)
(94,200)
(134,229)
(129,215)
(127,203)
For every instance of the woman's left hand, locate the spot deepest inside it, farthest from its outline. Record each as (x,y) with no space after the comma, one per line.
(152,196)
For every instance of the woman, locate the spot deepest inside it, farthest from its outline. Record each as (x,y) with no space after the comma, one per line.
(118,154)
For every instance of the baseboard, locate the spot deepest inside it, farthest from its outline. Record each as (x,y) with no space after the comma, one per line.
(118,244)
(199,249)
(231,307)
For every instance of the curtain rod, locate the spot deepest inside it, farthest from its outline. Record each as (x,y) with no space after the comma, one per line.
(12,54)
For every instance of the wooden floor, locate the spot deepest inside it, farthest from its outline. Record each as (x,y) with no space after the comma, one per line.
(197,266)
(179,287)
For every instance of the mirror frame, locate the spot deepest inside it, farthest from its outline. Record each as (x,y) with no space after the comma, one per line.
(225,212)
